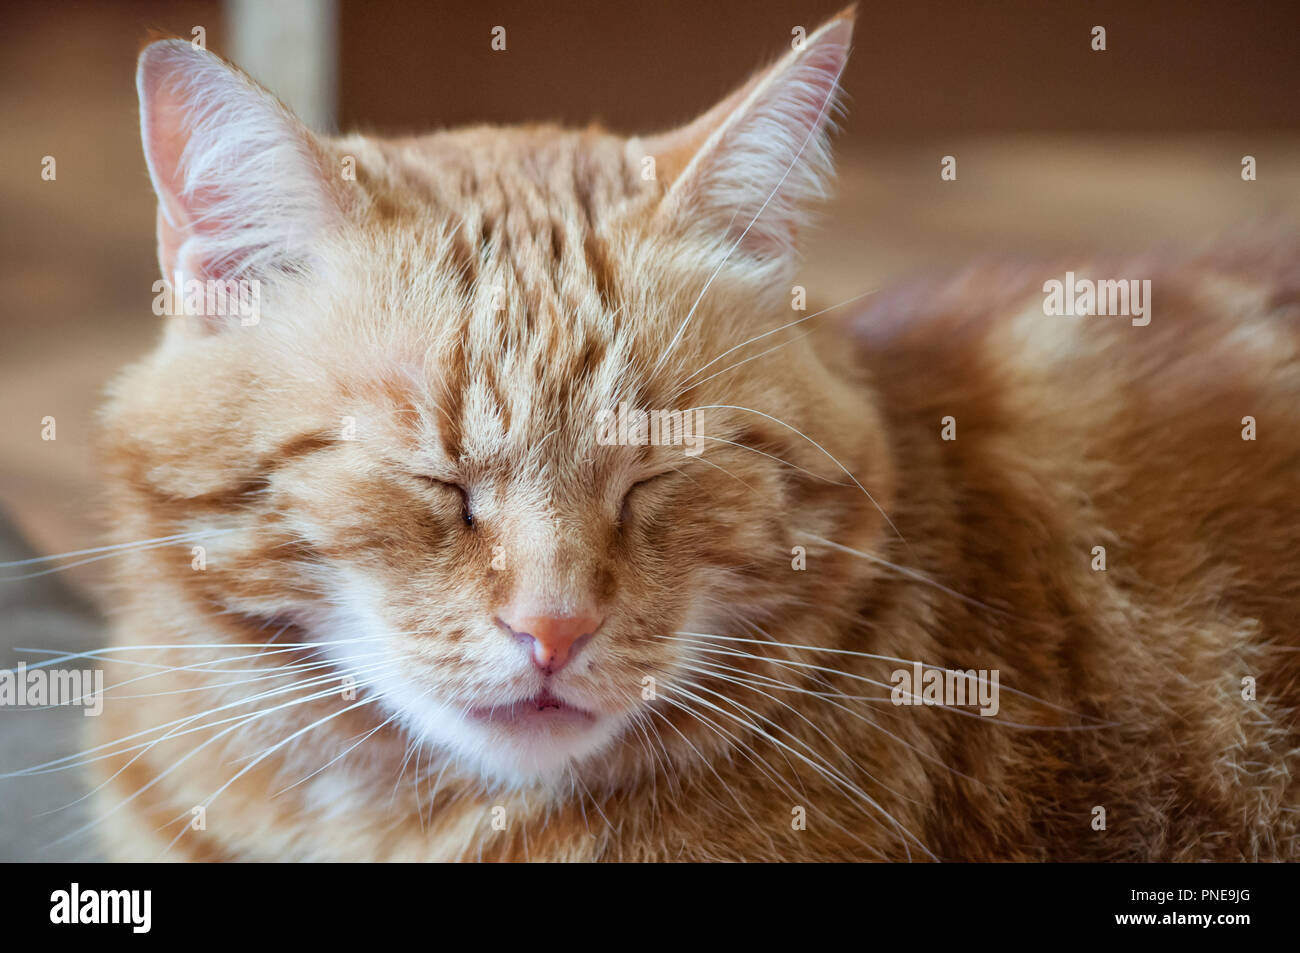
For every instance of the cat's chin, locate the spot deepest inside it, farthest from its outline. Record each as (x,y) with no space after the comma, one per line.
(535,740)
(517,743)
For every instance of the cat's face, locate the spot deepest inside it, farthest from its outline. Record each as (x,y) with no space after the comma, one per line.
(485,496)
(426,453)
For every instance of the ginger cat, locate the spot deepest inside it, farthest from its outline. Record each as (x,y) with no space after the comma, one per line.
(417,593)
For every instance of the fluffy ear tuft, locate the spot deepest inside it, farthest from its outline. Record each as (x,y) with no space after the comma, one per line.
(242,184)
(749,167)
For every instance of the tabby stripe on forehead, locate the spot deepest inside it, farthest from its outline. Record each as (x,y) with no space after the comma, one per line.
(593,249)
(598,266)
(452,397)
(463,257)
(589,358)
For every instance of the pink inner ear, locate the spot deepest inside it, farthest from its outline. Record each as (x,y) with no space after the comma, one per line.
(162,128)
(164,139)
(174,83)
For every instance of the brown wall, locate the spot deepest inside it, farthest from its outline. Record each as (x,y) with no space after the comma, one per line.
(922,68)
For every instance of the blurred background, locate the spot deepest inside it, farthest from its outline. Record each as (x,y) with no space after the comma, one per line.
(1059,147)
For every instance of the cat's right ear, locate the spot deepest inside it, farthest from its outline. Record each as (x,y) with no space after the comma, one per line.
(748,170)
(243,186)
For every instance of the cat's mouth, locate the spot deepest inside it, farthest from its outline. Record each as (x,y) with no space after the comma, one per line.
(543,712)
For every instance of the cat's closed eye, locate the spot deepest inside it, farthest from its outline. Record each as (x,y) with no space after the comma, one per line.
(625,508)
(466,510)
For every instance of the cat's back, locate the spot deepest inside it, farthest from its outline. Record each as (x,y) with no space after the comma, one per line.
(1125,483)
(1177,419)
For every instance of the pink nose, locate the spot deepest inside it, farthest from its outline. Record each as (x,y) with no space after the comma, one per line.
(552,640)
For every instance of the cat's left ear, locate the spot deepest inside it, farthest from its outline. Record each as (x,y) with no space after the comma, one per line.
(748,169)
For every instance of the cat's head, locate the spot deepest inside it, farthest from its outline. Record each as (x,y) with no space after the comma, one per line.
(417,436)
